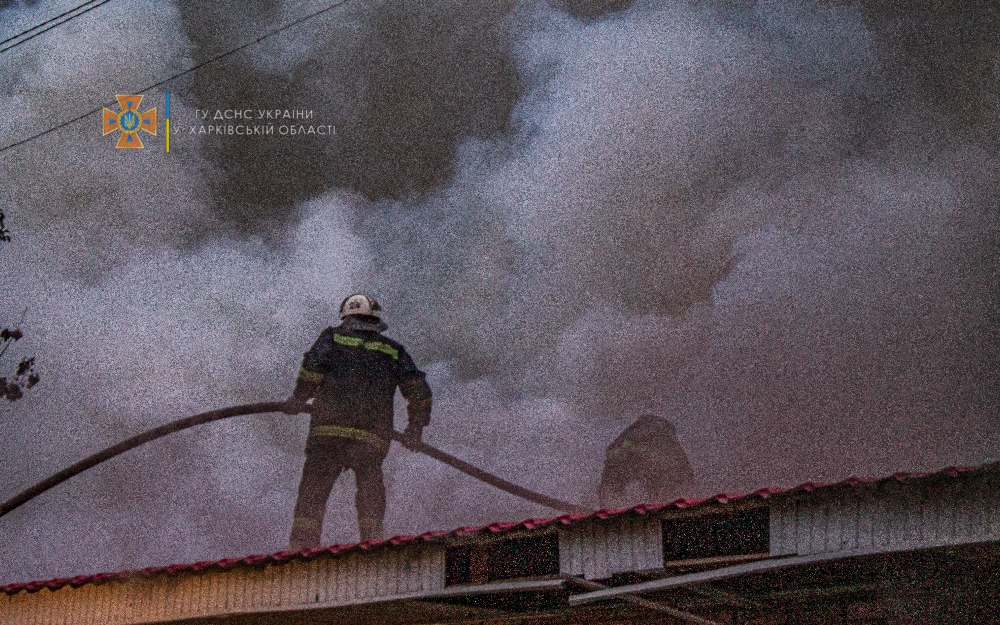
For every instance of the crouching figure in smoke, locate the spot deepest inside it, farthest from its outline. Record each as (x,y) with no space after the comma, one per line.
(646,452)
(351,373)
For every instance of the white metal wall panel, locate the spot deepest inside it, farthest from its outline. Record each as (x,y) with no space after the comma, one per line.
(784,525)
(888,517)
(323,582)
(599,549)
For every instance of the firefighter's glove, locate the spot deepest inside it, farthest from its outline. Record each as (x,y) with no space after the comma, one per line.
(296,406)
(411,436)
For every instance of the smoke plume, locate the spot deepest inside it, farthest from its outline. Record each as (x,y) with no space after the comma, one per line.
(773,223)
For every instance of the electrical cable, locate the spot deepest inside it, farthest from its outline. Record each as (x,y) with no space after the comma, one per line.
(63,14)
(266,407)
(44,30)
(184,73)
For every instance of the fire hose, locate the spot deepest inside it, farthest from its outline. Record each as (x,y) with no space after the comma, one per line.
(265,407)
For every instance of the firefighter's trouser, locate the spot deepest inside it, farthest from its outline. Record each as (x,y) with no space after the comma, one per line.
(328,454)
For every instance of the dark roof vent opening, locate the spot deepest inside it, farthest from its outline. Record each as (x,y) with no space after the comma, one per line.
(531,556)
(736,533)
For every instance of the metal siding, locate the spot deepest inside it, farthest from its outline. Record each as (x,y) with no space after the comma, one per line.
(192,594)
(914,518)
(57,608)
(380,580)
(79,606)
(803,524)
(597,550)
(386,569)
(320,573)
(277,574)
(410,579)
(333,580)
(848,515)
(203,594)
(98,616)
(991,504)
(114,604)
(299,583)
(370,577)
(272,587)
(834,512)
(376,579)
(205,603)
(963,512)
(820,530)
(583,536)
(977,497)
(294,586)
(350,574)
(433,573)
(341,590)
(567,551)
(53,602)
(245,594)
(220,585)
(110,605)
(363,578)
(12,611)
(249,583)
(121,602)
(595,553)
(234,590)
(890,517)
(43,613)
(258,586)
(49,601)
(781,519)
(86,601)
(9,607)
(284,583)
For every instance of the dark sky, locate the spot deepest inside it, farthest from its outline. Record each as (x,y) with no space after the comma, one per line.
(774,223)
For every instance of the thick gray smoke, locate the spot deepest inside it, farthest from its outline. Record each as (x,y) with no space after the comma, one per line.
(773,223)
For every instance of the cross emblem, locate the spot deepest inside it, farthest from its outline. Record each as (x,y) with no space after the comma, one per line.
(130,121)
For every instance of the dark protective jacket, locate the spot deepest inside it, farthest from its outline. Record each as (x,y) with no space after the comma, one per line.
(353,371)
(648,452)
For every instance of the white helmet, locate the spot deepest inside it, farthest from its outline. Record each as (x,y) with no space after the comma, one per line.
(360,304)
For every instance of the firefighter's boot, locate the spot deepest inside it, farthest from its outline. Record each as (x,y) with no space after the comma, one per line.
(369,529)
(305,533)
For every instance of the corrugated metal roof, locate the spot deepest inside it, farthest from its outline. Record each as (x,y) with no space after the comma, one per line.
(494,528)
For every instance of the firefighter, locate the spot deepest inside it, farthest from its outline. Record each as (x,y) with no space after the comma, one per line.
(646,452)
(351,373)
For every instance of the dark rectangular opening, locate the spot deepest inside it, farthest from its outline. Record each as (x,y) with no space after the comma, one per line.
(530,556)
(456,565)
(735,533)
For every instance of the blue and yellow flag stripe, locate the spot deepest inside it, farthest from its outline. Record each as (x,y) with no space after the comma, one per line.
(168,122)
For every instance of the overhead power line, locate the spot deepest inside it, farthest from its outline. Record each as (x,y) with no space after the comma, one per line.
(83,8)
(195,68)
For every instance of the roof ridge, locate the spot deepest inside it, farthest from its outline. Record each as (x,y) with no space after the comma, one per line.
(495,528)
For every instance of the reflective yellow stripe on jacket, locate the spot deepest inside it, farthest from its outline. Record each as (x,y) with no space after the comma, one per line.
(375,346)
(355,434)
(310,376)
(626,449)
